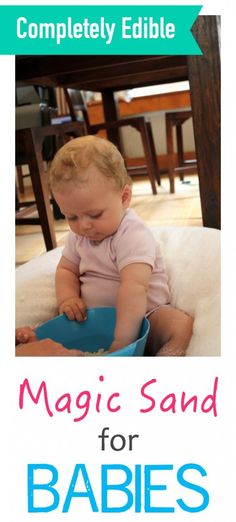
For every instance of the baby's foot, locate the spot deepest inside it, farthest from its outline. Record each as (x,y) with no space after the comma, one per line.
(25,334)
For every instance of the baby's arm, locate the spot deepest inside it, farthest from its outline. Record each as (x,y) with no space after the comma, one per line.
(68,290)
(131,303)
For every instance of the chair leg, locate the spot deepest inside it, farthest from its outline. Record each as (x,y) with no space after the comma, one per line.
(170,153)
(153,152)
(40,189)
(20,179)
(180,149)
(151,168)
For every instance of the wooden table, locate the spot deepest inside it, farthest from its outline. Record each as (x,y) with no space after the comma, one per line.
(108,74)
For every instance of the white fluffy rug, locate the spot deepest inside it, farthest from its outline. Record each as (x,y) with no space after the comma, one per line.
(192,257)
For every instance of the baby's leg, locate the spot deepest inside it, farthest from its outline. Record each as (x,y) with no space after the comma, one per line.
(170,332)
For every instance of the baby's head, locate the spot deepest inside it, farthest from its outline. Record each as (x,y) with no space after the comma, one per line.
(91,186)
(71,163)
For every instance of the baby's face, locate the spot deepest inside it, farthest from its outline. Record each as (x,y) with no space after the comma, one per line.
(96,208)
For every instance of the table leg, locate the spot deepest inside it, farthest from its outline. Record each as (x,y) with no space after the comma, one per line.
(204,78)
(111,113)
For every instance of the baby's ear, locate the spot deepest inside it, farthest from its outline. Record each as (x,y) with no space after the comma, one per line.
(126,196)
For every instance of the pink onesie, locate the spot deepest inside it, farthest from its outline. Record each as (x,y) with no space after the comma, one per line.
(100,263)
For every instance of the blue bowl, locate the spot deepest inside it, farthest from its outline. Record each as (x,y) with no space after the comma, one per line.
(94,333)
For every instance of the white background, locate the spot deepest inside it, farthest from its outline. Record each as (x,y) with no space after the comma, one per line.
(31,436)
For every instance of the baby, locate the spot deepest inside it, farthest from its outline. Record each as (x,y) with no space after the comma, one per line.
(110,257)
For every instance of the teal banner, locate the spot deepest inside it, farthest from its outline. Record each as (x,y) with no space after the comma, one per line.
(97,30)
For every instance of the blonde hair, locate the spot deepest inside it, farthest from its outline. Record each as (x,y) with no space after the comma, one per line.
(78,154)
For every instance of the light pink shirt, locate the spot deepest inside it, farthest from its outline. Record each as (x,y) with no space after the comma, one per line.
(100,263)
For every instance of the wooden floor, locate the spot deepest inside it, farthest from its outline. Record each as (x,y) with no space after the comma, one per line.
(179,209)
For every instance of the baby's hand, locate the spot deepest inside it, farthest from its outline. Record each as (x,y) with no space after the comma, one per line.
(74,308)
(25,334)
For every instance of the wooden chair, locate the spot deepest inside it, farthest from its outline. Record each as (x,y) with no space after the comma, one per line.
(78,109)
(29,145)
(176,119)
